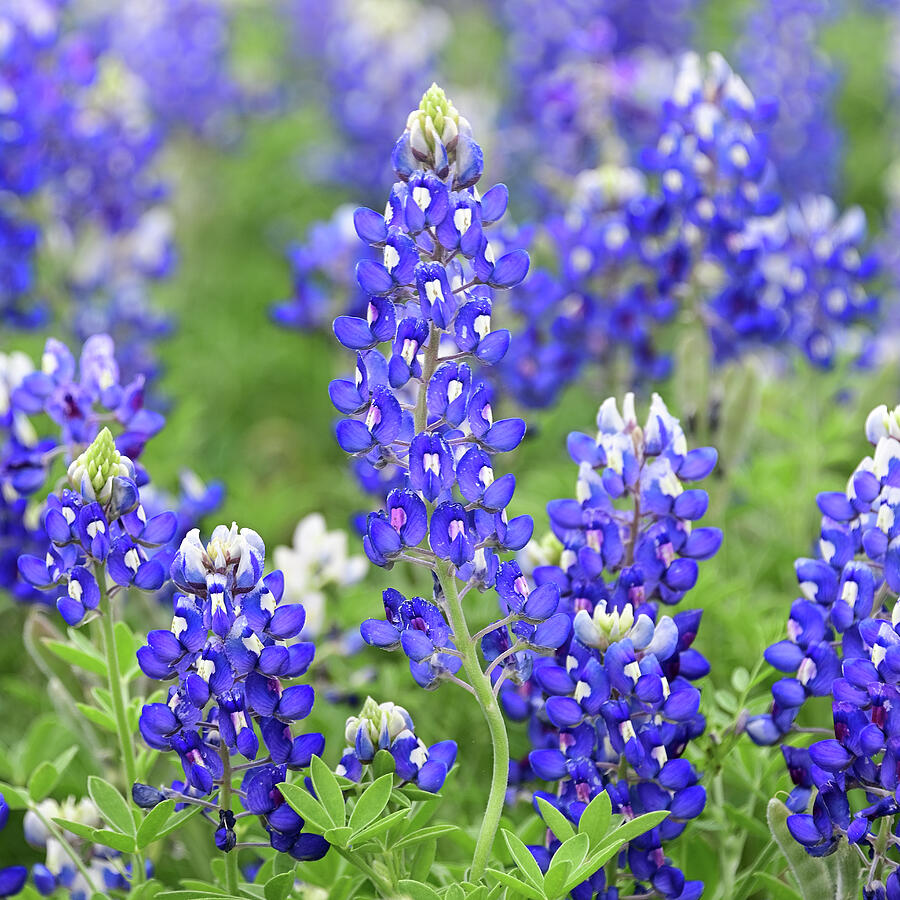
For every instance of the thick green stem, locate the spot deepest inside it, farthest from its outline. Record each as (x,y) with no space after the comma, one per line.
(492,713)
(231,857)
(118,690)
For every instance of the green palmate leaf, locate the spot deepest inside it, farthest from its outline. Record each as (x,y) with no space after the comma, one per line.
(147,891)
(328,791)
(124,843)
(279,887)
(282,863)
(638,826)
(154,823)
(111,805)
(556,821)
(414,793)
(90,661)
(97,717)
(417,890)
(345,886)
(518,887)
(523,859)
(376,828)
(567,859)
(304,804)
(424,812)
(371,802)
(43,779)
(596,819)
(79,829)
(813,876)
(454,892)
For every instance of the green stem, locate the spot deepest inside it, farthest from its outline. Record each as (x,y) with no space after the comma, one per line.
(118,690)
(481,685)
(429,364)
(231,858)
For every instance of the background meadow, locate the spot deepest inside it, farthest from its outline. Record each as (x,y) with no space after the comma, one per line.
(246,403)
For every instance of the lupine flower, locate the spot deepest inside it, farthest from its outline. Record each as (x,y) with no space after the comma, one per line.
(386,726)
(782,61)
(636,246)
(226,653)
(431,297)
(618,695)
(841,643)
(98,524)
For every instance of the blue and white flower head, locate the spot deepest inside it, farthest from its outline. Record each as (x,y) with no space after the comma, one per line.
(229,649)
(386,726)
(619,694)
(841,643)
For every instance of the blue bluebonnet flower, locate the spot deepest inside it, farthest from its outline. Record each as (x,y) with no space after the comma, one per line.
(386,726)
(430,300)
(96,529)
(618,696)
(365,58)
(781,59)
(230,645)
(841,643)
(698,229)
(180,50)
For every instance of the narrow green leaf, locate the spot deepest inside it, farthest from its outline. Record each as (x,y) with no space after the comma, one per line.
(111,805)
(567,858)
(812,875)
(154,822)
(303,803)
(777,890)
(641,825)
(372,802)
(43,779)
(279,887)
(328,791)
(423,860)
(523,859)
(519,887)
(74,656)
(414,793)
(555,820)
(432,831)
(97,717)
(845,866)
(126,646)
(79,829)
(15,797)
(177,821)
(383,763)
(124,843)
(376,828)
(418,891)
(345,886)
(596,818)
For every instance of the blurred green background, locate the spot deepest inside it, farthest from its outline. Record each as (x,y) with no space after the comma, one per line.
(251,408)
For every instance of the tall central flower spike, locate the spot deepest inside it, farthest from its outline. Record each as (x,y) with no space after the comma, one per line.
(417,401)
(842,642)
(616,707)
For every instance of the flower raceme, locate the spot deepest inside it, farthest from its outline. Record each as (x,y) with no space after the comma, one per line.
(228,654)
(842,640)
(615,708)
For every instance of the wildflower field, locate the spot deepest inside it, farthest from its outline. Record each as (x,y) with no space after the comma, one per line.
(450,449)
